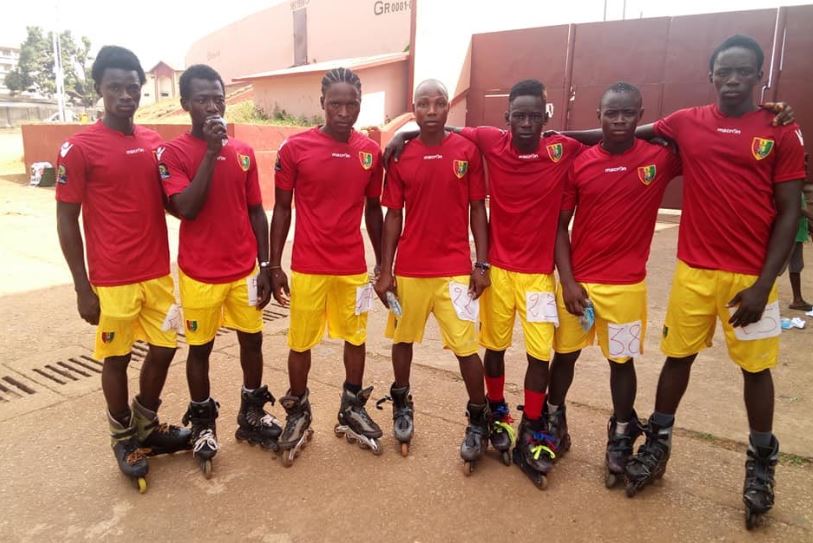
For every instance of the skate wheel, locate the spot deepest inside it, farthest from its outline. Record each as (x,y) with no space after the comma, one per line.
(337,432)
(206,466)
(610,479)
(376,448)
(288,458)
(141,484)
(362,445)
(506,458)
(631,490)
(405,449)
(349,438)
(468,468)
(752,520)
(541,482)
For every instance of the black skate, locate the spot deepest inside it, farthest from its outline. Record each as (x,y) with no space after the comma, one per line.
(758,489)
(556,426)
(131,459)
(403,410)
(503,435)
(534,452)
(355,423)
(650,463)
(477,432)
(297,430)
(158,437)
(204,433)
(253,423)
(619,449)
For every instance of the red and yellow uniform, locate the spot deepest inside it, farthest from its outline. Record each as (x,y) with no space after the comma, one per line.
(113,177)
(331,181)
(616,198)
(730,166)
(217,252)
(433,265)
(525,192)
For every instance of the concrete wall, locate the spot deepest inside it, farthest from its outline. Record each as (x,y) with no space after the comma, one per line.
(264,41)
(383,87)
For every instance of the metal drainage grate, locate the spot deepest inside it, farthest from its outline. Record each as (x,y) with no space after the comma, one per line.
(272,314)
(12,389)
(73,369)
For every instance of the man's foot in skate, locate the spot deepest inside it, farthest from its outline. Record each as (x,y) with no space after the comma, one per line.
(758,489)
(503,436)
(254,424)
(649,464)
(555,422)
(355,423)
(131,459)
(475,442)
(534,452)
(403,409)
(297,431)
(621,438)
(158,437)
(202,417)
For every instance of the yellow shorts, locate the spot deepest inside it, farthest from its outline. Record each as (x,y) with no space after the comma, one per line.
(524,293)
(208,306)
(132,312)
(327,300)
(620,326)
(700,297)
(420,296)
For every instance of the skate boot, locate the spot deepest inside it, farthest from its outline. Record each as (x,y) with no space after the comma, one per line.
(204,433)
(297,430)
(402,415)
(355,423)
(131,459)
(503,435)
(477,432)
(534,452)
(556,426)
(650,462)
(253,423)
(158,437)
(758,490)
(619,449)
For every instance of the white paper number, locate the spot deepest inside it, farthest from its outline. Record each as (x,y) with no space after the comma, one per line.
(172,321)
(466,308)
(364,299)
(768,326)
(251,283)
(541,307)
(624,339)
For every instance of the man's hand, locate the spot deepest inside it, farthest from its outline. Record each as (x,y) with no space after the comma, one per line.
(575,297)
(88,305)
(279,287)
(479,281)
(784,113)
(383,284)
(394,148)
(214,132)
(263,288)
(750,305)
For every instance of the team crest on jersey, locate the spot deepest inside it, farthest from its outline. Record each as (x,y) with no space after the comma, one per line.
(761,148)
(245,161)
(61,174)
(107,337)
(555,151)
(366,160)
(163,171)
(647,174)
(192,326)
(460,168)
(63,151)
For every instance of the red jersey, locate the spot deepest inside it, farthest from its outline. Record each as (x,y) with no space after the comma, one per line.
(436,185)
(113,177)
(730,165)
(331,181)
(525,191)
(217,246)
(616,198)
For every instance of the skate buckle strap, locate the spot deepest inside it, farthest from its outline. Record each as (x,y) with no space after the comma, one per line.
(504,426)
(205,439)
(383,400)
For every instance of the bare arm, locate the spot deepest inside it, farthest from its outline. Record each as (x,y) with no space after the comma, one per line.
(259,224)
(70,239)
(396,145)
(480,279)
(393,224)
(280,226)
(573,293)
(189,202)
(374,221)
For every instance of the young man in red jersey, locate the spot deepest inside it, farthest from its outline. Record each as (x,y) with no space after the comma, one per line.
(439,180)
(742,181)
(335,174)
(615,188)
(526,178)
(212,183)
(107,172)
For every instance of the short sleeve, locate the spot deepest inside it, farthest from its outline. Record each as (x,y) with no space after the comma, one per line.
(285,168)
(254,196)
(481,136)
(71,174)
(668,126)
(174,178)
(373,189)
(393,188)
(476,178)
(570,194)
(790,155)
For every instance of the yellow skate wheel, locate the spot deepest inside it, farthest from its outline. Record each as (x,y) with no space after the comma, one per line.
(468,468)
(206,466)
(141,483)
(405,449)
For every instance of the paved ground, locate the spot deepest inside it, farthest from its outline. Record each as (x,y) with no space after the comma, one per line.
(59,481)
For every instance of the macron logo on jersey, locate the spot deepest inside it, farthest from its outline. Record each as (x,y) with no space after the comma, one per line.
(616,169)
(532,156)
(135,151)
(63,151)
(340,155)
(159,153)
(735,131)
(432,157)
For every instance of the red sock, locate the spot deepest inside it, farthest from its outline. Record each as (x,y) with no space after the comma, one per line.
(533,404)
(494,388)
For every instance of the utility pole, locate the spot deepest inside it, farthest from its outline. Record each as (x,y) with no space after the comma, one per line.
(59,75)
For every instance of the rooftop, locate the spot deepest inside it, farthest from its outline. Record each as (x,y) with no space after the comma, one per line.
(357,63)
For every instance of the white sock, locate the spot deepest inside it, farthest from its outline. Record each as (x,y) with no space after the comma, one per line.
(621,428)
(552,408)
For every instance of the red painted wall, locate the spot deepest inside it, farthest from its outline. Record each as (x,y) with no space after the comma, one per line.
(41,143)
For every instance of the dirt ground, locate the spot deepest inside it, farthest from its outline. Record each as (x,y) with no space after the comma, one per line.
(59,480)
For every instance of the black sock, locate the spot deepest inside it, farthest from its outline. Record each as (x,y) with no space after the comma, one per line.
(355,389)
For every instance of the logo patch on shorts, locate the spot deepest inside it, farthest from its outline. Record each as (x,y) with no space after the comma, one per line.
(245,162)
(460,168)
(61,174)
(192,326)
(761,148)
(647,174)
(555,151)
(366,160)
(665,330)
(107,337)
(163,171)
